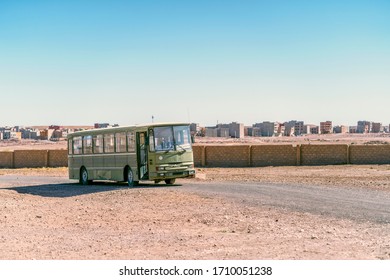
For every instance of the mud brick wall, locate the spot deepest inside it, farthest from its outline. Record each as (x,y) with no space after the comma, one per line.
(7,159)
(30,158)
(369,154)
(273,155)
(58,158)
(324,154)
(198,155)
(228,156)
(231,156)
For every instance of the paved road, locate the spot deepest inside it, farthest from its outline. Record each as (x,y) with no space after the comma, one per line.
(355,204)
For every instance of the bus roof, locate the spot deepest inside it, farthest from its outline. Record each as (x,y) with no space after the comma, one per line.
(119,128)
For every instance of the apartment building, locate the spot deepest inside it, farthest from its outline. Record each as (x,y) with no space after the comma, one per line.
(294,128)
(376,127)
(234,130)
(340,129)
(326,127)
(363,127)
(267,129)
(310,129)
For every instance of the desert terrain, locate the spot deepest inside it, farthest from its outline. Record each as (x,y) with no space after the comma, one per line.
(46,216)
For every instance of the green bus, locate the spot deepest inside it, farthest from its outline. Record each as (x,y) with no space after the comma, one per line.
(150,152)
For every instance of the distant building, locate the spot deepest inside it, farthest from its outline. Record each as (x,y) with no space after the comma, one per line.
(56,127)
(340,129)
(363,127)
(254,131)
(353,129)
(376,127)
(267,129)
(235,130)
(195,129)
(298,128)
(101,125)
(326,127)
(29,134)
(310,129)
(6,134)
(223,132)
(211,132)
(294,127)
(315,129)
(281,129)
(43,134)
(15,135)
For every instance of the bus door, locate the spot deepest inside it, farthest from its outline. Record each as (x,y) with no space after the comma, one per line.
(142,155)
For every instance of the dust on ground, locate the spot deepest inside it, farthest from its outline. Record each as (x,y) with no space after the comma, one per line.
(170,223)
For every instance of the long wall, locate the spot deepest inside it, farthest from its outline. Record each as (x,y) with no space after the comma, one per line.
(289,155)
(232,156)
(33,158)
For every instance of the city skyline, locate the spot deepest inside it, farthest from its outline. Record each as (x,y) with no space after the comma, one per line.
(107,124)
(75,63)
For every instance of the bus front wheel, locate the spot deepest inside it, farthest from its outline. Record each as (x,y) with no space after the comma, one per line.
(84,176)
(170,181)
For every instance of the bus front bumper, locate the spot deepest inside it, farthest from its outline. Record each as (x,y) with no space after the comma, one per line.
(173,174)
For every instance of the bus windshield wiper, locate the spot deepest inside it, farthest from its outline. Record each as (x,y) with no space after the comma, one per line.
(181,147)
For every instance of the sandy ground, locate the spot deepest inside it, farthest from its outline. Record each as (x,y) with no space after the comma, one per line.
(171,223)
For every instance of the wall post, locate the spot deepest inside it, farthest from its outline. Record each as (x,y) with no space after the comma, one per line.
(13,159)
(203,156)
(298,155)
(250,156)
(47,158)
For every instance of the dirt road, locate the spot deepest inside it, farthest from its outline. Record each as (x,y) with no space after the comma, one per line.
(43,216)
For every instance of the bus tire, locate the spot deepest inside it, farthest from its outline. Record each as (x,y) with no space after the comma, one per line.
(170,181)
(84,176)
(130,178)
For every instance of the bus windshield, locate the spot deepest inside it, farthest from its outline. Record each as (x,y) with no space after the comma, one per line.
(168,138)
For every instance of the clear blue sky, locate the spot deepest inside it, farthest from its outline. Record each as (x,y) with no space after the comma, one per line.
(81,62)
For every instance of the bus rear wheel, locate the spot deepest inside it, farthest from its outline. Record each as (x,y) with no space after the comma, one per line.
(170,181)
(130,178)
(84,177)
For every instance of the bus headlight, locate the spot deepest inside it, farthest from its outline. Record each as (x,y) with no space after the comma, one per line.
(160,168)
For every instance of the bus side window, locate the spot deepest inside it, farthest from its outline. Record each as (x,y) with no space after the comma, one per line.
(87,145)
(120,139)
(130,142)
(109,143)
(98,144)
(78,145)
(70,147)
(151,141)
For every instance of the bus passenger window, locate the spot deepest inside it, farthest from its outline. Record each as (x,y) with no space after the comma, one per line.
(109,143)
(98,144)
(78,145)
(87,145)
(120,139)
(130,142)
(151,141)
(70,147)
